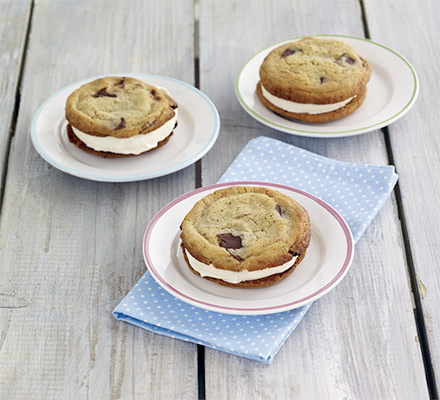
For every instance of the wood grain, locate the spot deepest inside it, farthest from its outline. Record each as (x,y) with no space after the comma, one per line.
(71,248)
(415,144)
(359,341)
(14,21)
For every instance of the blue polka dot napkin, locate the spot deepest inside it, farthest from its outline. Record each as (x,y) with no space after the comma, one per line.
(357,191)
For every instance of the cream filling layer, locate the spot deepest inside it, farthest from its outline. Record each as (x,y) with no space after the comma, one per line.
(133,145)
(303,108)
(236,277)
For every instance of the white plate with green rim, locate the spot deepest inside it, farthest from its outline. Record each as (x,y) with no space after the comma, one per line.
(391,92)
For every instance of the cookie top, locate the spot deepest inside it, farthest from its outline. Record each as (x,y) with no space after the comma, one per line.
(314,70)
(119,106)
(246,227)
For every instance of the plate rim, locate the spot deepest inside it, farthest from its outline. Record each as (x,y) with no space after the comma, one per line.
(250,310)
(328,134)
(125,178)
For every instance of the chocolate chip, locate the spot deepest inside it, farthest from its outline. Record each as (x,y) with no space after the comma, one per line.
(322,79)
(236,256)
(103,93)
(279,209)
(121,125)
(294,254)
(229,241)
(154,94)
(120,83)
(289,52)
(344,57)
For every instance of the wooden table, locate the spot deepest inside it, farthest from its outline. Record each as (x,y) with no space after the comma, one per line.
(70,248)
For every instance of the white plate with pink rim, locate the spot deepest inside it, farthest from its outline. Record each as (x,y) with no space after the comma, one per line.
(197,131)
(391,92)
(327,261)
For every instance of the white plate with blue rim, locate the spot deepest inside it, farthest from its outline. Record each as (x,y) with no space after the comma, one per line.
(197,131)
(391,92)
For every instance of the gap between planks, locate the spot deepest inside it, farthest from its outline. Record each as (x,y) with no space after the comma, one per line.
(196,5)
(198,183)
(13,124)
(417,296)
(418,309)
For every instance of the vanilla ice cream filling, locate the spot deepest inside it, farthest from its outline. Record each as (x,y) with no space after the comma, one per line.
(303,108)
(233,276)
(132,145)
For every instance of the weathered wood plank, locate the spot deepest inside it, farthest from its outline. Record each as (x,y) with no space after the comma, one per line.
(71,248)
(14,20)
(416,144)
(360,341)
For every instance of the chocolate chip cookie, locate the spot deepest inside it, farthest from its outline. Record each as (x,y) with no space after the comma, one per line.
(245,236)
(313,80)
(120,116)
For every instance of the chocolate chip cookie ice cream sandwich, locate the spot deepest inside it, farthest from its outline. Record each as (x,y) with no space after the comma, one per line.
(120,116)
(313,80)
(245,236)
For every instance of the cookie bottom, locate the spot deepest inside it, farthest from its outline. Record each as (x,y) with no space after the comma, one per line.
(317,118)
(107,154)
(253,284)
